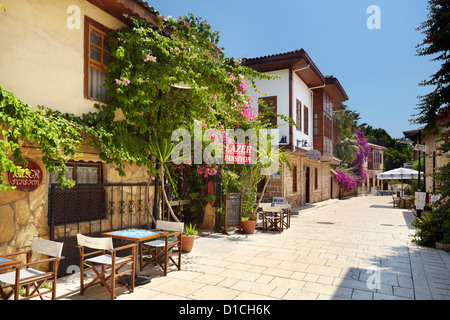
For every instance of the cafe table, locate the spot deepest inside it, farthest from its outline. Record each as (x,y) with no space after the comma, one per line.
(139,236)
(7,262)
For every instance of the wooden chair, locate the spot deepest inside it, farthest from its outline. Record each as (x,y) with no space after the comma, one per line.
(396,202)
(167,248)
(286,217)
(259,214)
(272,219)
(30,277)
(105,259)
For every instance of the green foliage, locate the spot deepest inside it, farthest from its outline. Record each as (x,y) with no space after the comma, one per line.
(397,153)
(436,44)
(433,227)
(198,203)
(56,134)
(434,113)
(190,230)
(346,120)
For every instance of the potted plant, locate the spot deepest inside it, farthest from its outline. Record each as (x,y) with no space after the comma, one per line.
(248,225)
(187,238)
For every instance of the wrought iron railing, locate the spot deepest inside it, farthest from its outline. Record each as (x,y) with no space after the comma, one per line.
(93,209)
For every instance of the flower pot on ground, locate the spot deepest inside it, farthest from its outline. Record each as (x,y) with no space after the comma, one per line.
(187,238)
(248,226)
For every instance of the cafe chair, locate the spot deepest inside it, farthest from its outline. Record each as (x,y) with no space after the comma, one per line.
(99,255)
(31,279)
(286,216)
(165,251)
(259,214)
(272,219)
(396,202)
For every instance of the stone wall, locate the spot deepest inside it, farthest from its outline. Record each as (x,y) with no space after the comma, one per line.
(25,214)
(284,185)
(432,159)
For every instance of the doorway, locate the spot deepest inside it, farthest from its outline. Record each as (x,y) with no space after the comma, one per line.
(307,185)
(331,187)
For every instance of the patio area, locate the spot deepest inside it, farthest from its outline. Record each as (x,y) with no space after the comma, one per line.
(355,249)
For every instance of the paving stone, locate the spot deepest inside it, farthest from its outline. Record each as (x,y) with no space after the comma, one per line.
(365,254)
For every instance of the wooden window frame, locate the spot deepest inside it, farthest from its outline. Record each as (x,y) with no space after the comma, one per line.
(75,164)
(299,115)
(266,100)
(88,23)
(305,120)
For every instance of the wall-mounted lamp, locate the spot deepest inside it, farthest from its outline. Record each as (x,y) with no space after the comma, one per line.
(303,143)
(406,140)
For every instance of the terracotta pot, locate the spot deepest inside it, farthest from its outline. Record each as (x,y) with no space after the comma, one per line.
(248,226)
(187,242)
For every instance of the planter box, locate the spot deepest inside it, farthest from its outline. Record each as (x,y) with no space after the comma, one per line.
(442,246)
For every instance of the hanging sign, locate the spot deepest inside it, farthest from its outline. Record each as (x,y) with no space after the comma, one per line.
(313,154)
(28,182)
(238,153)
(421,147)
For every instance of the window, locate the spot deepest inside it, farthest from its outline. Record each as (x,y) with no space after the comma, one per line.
(305,120)
(271,103)
(328,105)
(85,202)
(81,173)
(97,56)
(298,121)
(316,124)
(294,179)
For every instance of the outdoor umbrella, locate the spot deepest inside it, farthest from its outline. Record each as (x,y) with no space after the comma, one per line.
(399,173)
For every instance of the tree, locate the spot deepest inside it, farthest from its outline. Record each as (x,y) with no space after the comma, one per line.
(397,153)
(346,121)
(434,108)
(352,150)
(436,104)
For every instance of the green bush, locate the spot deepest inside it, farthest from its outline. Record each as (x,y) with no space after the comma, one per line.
(434,227)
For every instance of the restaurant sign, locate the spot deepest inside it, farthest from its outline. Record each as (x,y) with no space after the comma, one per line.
(314,154)
(28,182)
(238,153)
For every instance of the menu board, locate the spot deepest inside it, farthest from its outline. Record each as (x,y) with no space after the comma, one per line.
(233,209)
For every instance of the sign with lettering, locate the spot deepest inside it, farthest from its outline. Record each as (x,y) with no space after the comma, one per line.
(233,209)
(28,182)
(421,147)
(278,200)
(313,154)
(238,153)
(419,202)
(434,198)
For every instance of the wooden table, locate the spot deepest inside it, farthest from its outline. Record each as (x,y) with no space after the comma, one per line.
(8,262)
(138,236)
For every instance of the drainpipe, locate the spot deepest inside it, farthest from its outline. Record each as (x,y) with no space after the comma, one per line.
(307,67)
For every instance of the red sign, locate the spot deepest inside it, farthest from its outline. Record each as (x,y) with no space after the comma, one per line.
(238,153)
(28,181)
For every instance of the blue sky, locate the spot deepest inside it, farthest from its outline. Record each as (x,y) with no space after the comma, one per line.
(378,68)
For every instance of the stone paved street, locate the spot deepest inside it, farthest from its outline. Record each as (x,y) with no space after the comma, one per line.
(359,248)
